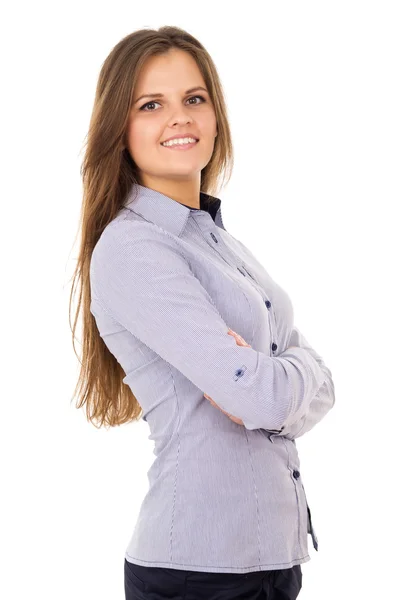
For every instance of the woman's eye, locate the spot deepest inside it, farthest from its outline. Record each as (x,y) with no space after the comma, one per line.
(153,102)
(147,104)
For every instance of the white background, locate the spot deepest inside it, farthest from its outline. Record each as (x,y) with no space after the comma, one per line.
(311,89)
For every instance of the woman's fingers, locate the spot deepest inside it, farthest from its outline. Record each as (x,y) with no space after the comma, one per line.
(239,339)
(232,417)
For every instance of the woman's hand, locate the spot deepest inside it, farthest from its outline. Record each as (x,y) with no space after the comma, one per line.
(241,342)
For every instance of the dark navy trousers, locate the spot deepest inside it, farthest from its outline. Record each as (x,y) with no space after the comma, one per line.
(155,583)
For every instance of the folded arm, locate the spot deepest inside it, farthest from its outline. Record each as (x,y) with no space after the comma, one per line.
(140,276)
(322,401)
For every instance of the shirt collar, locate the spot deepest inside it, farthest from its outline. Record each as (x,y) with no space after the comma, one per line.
(170,214)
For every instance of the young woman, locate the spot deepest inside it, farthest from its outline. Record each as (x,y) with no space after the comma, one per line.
(165,289)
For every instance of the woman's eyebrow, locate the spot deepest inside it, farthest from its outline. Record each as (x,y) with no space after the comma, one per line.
(162,95)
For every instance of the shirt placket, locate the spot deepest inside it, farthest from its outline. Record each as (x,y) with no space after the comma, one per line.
(234,261)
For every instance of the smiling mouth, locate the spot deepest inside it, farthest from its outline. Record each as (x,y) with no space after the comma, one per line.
(180,146)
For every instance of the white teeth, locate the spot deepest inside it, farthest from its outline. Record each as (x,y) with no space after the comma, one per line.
(179,141)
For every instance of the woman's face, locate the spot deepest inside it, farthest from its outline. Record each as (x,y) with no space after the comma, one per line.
(153,120)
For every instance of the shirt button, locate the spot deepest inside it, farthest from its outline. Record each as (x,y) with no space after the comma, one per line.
(267,303)
(214,237)
(239,372)
(296,474)
(274,347)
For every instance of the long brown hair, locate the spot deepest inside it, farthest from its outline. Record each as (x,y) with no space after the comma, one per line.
(108,172)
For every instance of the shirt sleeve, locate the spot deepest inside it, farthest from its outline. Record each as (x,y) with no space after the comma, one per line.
(140,276)
(322,402)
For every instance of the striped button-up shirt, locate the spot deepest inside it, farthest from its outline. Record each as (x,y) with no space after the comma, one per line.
(167,283)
